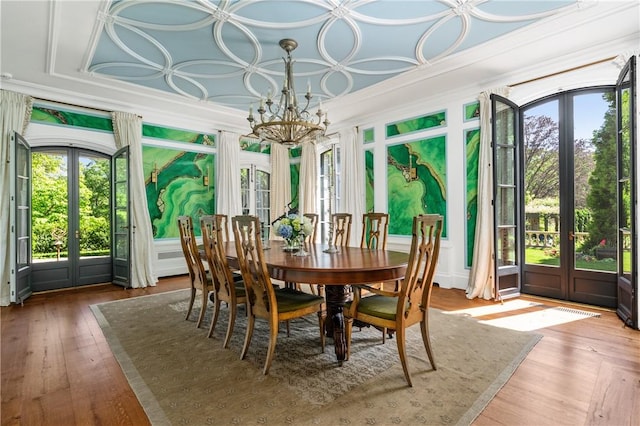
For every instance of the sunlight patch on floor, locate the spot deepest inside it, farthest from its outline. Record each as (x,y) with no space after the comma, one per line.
(511,305)
(540,319)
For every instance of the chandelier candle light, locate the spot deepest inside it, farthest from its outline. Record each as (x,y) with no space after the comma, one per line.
(287,123)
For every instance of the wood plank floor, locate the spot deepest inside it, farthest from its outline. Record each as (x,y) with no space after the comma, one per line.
(57,369)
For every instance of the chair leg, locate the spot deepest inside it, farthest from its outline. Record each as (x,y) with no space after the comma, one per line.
(214,316)
(233,309)
(273,337)
(402,351)
(347,332)
(322,317)
(191,300)
(203,309)
(426,339)
(247,337)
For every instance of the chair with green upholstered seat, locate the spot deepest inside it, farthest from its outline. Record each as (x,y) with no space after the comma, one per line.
(200,279)
(226,289)
(409,305)
(264,301)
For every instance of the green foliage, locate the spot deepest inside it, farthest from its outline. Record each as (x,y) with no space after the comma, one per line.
(50,205)
(601,200)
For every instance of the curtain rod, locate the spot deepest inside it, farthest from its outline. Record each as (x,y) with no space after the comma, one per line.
(563,71)
(75,106)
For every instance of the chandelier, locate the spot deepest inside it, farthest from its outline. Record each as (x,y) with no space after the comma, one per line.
(287,123)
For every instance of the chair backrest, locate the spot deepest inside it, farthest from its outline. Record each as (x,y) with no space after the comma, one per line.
(257,282)
(375,227)
(314,223)
(216,256)
(222,226)
(341,229)
(197,272)
(415,293)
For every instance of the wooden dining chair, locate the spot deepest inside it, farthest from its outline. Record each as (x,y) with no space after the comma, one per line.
(399,310)
(341,223)
(264,300)
(313,217)
(200,280)
(222,230)
(375,227)
(226,289)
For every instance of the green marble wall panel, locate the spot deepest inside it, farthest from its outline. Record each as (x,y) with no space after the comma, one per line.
(40,114)
(368,181)
(177,135)
(368,135)
(251,145)
(417,124)
(416,182)
(295,185)
(180,188)
(472,140)
(472,111)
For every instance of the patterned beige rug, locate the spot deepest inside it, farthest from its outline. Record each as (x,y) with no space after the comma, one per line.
(181,377)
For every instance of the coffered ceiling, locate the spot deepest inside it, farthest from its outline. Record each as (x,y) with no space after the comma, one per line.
(225,53)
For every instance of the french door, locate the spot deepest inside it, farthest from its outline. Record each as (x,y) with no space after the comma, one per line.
(627,250)
(555,203)
(70,225)
(21,218)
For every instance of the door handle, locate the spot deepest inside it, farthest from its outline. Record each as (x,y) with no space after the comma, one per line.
(77,234)
(571,236)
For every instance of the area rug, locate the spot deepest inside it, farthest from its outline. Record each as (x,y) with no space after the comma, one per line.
(545,317)
(182,377)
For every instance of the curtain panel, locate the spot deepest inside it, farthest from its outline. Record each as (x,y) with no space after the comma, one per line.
(127,130)
(228,199)
(352,182)
(280,181)
(481,278)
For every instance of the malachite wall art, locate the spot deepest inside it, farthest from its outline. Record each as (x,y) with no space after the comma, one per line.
(417,124)
(368,135)
(40,114)
(471,111)
(184,185)
(416,182)
(368,181)
(472,140)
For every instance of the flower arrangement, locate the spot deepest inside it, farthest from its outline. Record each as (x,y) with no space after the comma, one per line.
(293,228)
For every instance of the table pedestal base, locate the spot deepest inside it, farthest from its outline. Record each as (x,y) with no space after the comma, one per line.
(337,296)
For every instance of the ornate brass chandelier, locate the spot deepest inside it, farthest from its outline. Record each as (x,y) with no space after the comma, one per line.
(287,123)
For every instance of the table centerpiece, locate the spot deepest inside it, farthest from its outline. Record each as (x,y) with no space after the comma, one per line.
(293,229)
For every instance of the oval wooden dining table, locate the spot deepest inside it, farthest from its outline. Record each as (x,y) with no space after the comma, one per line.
(336,271)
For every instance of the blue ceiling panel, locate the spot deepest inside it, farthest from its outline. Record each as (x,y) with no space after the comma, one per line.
(228,52)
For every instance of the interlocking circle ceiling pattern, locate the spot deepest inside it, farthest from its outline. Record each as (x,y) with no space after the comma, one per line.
(227,52)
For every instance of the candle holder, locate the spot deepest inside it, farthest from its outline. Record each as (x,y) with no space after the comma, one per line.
(332,248)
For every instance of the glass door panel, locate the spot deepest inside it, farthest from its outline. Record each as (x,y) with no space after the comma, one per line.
(94,204)
(594,185)
(541,184)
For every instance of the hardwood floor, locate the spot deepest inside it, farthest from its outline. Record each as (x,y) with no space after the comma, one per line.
(57,368)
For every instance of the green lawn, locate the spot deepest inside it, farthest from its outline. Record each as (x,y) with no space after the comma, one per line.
(539,256)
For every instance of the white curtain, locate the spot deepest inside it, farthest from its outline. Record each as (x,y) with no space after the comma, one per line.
(481,279)
(228,175)
(280,180)
(352,182)
(127,129)
(308,179)
(15,113)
